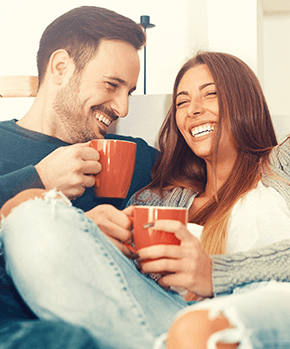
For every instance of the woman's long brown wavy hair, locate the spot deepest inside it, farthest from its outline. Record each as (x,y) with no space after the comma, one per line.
(244,111)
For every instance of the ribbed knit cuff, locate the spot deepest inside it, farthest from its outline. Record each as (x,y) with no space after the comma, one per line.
(263,264)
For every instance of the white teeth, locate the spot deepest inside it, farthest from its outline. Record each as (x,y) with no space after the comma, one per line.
(202,130)
(103,119)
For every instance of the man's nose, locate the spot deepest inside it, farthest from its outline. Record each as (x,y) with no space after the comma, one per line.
(120,105)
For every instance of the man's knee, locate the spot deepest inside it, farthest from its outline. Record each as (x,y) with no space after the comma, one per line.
(19,198)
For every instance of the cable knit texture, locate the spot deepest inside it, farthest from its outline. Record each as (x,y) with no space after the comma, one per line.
(262,264)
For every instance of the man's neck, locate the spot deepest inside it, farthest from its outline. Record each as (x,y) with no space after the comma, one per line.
(40,117)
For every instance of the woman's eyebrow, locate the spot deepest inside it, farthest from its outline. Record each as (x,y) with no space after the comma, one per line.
(205,85)
(182,93)
(201,87)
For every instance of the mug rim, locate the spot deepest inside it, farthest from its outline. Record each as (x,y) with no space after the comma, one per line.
(161,207)
(111,140)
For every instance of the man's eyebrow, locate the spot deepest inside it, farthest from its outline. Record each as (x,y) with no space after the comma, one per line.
(201,87)
(121,81)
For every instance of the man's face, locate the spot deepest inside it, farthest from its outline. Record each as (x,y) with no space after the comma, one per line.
(99,95)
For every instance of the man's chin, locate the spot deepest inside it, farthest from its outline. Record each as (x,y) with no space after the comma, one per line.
(99,133)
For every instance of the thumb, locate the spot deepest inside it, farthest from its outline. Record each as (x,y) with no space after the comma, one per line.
(129,211)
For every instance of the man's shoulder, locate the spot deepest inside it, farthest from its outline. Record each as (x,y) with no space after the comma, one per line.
(7,130)
(8,124)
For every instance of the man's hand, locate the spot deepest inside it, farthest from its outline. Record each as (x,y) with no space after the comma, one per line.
(186,266)
(115,224)
(69,169)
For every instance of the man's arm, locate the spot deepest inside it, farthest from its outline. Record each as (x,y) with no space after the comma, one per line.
(66,168)
(17,181)
(262,264)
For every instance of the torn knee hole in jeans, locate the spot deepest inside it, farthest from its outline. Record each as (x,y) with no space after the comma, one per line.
(32,195)
(56,194)
(236,333)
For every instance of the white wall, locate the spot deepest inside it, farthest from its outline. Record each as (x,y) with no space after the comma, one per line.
(232,28)
(277,62)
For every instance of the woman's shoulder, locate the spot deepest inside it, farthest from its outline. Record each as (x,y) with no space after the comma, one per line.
(280,153)
(176,197)
(146,197)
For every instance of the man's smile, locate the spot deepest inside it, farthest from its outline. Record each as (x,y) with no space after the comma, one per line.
(102,118)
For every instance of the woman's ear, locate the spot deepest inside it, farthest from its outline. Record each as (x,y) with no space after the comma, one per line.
(60,66)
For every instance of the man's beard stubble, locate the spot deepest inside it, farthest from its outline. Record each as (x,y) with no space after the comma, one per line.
(71,116)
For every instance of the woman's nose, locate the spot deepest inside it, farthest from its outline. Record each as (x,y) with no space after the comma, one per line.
(195,108)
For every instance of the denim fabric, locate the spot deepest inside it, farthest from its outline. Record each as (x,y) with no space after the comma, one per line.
(65,268)
(258,312)
(44,335)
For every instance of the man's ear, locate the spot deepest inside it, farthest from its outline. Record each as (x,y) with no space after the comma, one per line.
(61,66)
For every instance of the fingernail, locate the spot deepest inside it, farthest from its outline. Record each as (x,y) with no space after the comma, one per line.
(148,225)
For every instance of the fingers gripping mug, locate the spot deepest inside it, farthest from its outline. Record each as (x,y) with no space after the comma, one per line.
(144,237)
(118,161)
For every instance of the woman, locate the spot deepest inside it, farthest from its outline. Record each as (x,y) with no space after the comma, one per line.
(218,157)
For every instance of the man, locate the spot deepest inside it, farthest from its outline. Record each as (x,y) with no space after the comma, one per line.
(88,66)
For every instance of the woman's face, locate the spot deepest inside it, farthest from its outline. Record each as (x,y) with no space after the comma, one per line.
(197,112)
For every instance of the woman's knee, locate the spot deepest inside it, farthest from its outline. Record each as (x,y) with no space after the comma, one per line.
(193,329)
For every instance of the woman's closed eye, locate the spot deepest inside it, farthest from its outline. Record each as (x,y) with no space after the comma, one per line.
(210,94)
(181,103)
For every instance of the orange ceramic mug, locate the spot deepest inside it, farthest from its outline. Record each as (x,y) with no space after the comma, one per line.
(118,161)
(144,237)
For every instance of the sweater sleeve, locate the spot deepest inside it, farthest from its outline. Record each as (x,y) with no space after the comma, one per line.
(263,264)
(17,181)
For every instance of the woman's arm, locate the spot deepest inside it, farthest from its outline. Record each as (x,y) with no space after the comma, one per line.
(188,265)
(262,264)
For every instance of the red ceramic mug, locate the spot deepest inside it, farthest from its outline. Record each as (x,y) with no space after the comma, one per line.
(144,237)
(118,162)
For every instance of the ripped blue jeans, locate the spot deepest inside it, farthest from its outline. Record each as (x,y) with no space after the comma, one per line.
(66,269)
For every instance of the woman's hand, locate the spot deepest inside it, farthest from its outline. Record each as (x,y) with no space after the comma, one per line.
(186,266)
(115,224)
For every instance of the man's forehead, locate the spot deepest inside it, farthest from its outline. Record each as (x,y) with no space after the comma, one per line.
(116,60)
